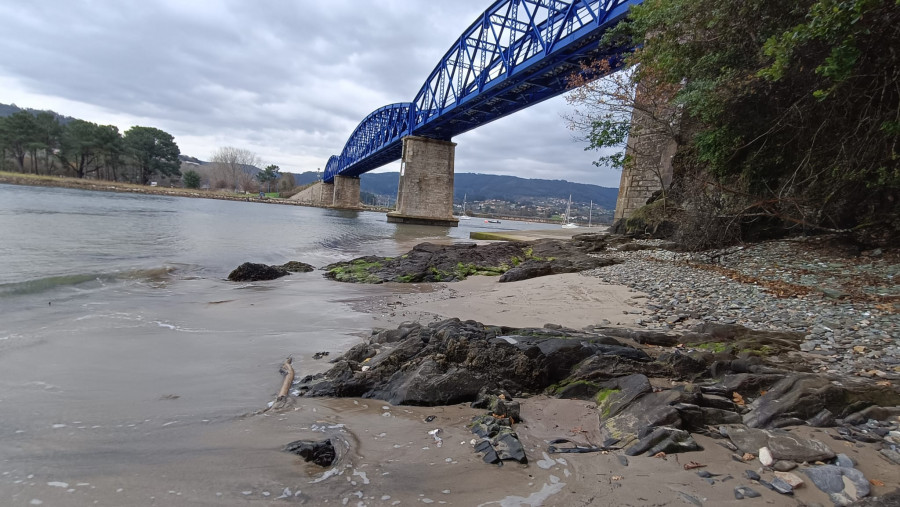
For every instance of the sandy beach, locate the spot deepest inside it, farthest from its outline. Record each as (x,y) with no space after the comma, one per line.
(391,455)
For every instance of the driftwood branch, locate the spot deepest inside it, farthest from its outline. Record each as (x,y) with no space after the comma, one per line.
(288,371)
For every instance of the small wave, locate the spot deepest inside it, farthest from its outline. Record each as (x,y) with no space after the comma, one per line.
(84,280)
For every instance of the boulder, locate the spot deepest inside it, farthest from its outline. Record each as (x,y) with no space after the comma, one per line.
(664,439)
(297,267)
(526,270)
(320,452)
(804,396)
(780,444)
(428,262)
(649,411)
(451,361)
(252,272)
(843,485)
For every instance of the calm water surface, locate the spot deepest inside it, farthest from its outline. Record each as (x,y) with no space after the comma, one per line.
(121,342)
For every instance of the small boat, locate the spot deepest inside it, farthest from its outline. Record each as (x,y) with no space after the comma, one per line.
(463,216)
(569,223)
(492,221)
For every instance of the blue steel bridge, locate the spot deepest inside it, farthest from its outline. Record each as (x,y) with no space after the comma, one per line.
(516,54)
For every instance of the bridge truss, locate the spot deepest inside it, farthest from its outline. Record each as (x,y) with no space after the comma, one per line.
(518,53)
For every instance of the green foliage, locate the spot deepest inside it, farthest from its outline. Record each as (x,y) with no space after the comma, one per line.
(268,175)
(789,108)
(153,151)
(191,179)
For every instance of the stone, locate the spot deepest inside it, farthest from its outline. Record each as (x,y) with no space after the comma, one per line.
(664,439)
(742,492)
(781,486)
(823,419)
(752,475)
(252,272)
(649,411)
(842,460)
(785,446)
(526,270)
(746,439)
(622,392)
(792,479)
(806,395)
(844,485)
(320,452)
(765,457)
(297,267)
(784,465)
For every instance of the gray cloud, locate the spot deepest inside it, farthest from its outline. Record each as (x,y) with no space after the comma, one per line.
(288,80)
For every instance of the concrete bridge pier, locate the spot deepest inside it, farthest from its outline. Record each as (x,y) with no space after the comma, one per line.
(318,194)
(425,192)
(346,192)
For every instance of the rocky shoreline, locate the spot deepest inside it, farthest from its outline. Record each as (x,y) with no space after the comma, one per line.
(753,351)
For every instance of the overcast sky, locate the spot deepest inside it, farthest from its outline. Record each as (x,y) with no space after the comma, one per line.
(287,79)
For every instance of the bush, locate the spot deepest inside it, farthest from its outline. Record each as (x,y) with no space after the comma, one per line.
(191,179)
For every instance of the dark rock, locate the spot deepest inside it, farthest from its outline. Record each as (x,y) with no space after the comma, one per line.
(842,460)
(509,447)
(622,460)
(746,439)
(320,355)
(641,336)
(742,492)
(789,447)
(752,475)
(251,272)
(664,439)
(782,487)
(784,465)
(622,391)
(823,419)
(879,413)
(320,452)
(297,267)
(891,499)
(499,442)
(805,396)
(830,479)
(649,411)
(428,262)
(526,270)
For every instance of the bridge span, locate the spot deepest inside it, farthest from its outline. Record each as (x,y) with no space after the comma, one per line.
(516,54)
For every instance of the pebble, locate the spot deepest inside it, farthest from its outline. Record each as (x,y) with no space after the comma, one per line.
(849,336)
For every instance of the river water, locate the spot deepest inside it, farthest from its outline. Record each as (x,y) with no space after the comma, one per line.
(126,357)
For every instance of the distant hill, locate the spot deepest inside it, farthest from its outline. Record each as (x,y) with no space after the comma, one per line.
(11,109)
(482,187)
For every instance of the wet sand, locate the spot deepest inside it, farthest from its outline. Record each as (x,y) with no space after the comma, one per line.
(571,300)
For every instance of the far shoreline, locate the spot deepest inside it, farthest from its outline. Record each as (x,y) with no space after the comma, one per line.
(36,180)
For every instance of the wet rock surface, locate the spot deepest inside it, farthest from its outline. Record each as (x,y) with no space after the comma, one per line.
(320,452)
(253,272)
(516,260)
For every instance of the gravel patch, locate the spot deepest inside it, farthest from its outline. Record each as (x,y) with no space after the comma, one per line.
(846,306)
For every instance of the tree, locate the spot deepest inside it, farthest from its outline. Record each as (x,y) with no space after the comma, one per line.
(233,160)
(80,147)
(268,175)
(153,151)
(47,136)
(789,110)
(191,179)
(18,131)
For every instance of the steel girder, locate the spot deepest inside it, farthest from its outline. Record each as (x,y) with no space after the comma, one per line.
(518,53)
